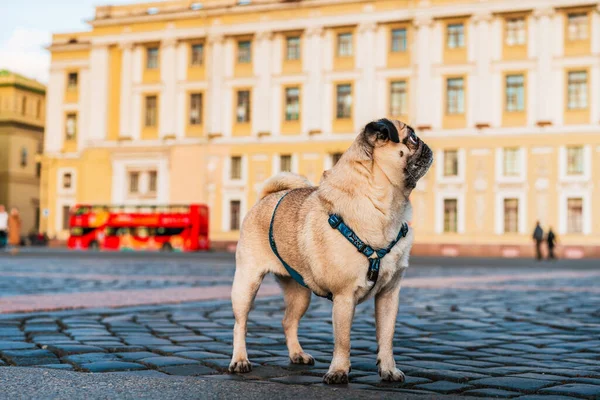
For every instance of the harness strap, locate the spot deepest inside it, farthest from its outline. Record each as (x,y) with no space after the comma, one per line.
(336,222)
(293,273)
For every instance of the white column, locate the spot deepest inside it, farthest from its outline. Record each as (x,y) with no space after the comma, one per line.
(544,38)
(262,92)
(481,84)
(99,59)
(215,88)
(365,105)
(85,106)
(55,93)
(423,59)
(312,56)
(126,89)
(168,98)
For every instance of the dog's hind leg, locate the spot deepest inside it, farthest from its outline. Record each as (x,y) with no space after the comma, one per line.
(246,282)
(297,300)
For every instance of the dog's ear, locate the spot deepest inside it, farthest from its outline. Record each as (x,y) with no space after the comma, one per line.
(383,130)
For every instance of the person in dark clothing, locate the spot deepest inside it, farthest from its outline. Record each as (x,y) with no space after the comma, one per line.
(538,237)
(551,241)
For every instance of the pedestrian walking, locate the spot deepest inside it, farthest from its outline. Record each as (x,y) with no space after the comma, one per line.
(551,241)
(14,230)
(538,238)
(3,226)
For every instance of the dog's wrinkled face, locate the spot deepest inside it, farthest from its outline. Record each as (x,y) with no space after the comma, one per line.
(398,151)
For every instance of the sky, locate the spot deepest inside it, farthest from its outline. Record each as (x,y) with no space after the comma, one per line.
(26,28)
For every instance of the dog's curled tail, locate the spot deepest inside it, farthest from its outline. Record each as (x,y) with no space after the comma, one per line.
(283,181)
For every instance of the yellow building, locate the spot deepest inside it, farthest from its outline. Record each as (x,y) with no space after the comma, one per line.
(22,114)
(185,101)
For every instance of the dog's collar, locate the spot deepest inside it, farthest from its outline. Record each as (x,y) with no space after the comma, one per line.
(336,222)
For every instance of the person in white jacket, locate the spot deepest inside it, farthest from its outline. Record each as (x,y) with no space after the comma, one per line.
(3,226)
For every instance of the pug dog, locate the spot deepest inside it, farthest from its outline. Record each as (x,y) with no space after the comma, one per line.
(369,190)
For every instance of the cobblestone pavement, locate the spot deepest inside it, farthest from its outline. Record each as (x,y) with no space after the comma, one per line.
(528,331)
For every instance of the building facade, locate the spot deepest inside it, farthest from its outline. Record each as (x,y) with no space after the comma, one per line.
(184,101)
(22,115)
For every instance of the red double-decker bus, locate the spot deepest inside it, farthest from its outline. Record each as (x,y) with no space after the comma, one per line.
(154,228)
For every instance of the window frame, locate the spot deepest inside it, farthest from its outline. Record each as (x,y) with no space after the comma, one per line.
(344,111)
(446,225)
(247,106)
(74,117)
(288,117)
(518,33)
(234,175)
(150,120)
(297,48)
(244,54)
(455,38)
(403,93)
(72,87)
(460,100)
(152,58)
(513,227)
(198,121)
(575,19)
(575,89)
(514,90)
(194,61)
(344,44)
(403,44)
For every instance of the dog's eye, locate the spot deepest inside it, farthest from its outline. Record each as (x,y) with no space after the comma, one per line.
(412,137)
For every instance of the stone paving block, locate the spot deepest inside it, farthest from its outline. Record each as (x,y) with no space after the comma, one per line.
(5,345)
(134,356)
(88,358)
(574,389)
(544,397)
(200,355)
(150,373)
(495,393)
(145,342)
(25,358)
(444,387)
(66,367)
(69,349)
(375,379)
(298,379)
(546,377)
(512,383)
(188,370)
(112,366)
(170,350)
(159,362)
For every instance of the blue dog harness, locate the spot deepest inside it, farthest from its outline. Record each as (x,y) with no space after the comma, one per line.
(336,222)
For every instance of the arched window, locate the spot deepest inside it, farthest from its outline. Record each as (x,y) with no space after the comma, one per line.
(24,156)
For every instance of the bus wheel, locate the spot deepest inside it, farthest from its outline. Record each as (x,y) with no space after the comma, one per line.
(94,246)
(167,248)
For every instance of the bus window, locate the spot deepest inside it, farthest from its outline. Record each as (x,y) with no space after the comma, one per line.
(110,231)
(168,231)
(79,231)
(141,232)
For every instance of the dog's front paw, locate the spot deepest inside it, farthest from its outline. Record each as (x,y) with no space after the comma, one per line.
(240,366)
(336,377)
(302,358)
(392,375)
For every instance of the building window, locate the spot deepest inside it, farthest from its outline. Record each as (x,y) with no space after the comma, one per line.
(134,182)
(575,160)
(24,157)
(285,163)
(292,48)
(236,168)
(455,96)
(511,215)
(72,81)
(196,109)
(450,215)
(577,90)
(399,40)
(234,215)
(515,93)
(344,45)
(344,101)
(243,106)
(575,215)
(66,214)
(197,55)
(152,181)
(151,111)
(398,103)
(516,32)
(455,36)
(450,163)
(71,127)
(292,104)
(67,180)
(38,169)
(24,105)
(244,52)
(38,112)
(510,162)
(577,26)
(152,58)
(335,157)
